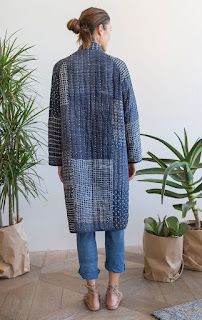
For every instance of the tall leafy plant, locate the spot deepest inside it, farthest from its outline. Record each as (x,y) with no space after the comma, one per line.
(20,135)
(178,173)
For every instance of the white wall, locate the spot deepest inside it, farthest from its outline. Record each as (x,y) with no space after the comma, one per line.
(161,43)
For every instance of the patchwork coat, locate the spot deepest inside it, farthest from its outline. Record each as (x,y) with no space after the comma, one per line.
(93,133)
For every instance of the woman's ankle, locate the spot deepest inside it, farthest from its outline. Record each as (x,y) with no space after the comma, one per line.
(91,282)
(113,284)
(114,278)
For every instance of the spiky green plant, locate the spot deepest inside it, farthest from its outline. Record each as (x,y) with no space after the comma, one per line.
(19,133)
(178,174)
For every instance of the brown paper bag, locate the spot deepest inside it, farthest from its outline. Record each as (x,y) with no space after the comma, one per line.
(162,257)
(192,252)
(14,254)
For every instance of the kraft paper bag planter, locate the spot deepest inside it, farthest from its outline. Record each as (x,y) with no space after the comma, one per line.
(192,252)
(14,254)
(162,257)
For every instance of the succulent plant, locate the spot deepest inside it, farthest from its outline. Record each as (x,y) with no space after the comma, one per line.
(167,227)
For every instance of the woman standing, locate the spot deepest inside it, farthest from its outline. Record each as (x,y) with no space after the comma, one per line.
(94,139)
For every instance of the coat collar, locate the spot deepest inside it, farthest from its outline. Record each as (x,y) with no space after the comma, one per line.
(94,46)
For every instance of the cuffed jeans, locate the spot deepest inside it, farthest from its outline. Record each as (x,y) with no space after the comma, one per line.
(88,254)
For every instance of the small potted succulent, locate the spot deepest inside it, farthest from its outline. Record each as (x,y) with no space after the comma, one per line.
(163,248)
(19,141)
(178,173)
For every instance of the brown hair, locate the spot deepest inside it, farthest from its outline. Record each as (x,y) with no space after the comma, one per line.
(87,23)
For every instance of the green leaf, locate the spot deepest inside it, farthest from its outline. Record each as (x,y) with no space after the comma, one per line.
(150,171)
(165,160)
(199,195)
(197,181)
(186,207)
(168,183)
(178,206)
(173,224)
(175,151)
(195,150)
(168,193)
(169,170)
(159,161)
(19,140)
(189,175)
(165,230)
(160,229)
(183,228)
(196,164)
(150,224)
(186,142)
(148,227)
(182,145)
(197,189)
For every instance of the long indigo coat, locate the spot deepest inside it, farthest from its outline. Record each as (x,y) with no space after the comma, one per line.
(93,133)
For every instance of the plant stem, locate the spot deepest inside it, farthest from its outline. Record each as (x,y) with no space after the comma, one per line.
(196,215)
(17,208)
(10,206)
(1,217)
(192,198)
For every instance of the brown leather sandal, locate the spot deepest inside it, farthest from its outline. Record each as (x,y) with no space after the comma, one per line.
(92,297)
(116,297)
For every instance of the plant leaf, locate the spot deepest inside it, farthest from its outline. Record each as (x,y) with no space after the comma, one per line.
(168,182)
(178,206)
(173,224)
(199,195)
(182,145)
(175,151)
(157,160)
(186,142)
(197,189)
(183,228)
(186,207)
(195,150)
(169,170)
(168,193)
(150,171)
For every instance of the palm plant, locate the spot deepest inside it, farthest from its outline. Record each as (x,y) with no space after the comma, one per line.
(177,173)
(19,133)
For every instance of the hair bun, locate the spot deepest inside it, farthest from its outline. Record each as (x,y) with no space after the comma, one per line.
(74,25)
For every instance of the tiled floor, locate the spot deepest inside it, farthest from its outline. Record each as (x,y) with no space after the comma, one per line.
(53,290)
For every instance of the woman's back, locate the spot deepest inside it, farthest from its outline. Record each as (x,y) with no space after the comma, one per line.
(93,135)
(94,139)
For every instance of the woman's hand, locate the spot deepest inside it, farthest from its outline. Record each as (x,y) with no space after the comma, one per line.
(131,170)
(60,173)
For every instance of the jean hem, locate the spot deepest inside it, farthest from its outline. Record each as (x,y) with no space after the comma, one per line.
(115,269)
(89,276)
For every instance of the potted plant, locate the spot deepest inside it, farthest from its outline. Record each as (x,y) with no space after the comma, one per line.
(19,142)
(178,173)
(163,248)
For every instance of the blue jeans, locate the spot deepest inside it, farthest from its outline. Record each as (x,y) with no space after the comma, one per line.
(88,255)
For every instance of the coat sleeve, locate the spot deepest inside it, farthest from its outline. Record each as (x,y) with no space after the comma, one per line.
(131,119)
(54,121)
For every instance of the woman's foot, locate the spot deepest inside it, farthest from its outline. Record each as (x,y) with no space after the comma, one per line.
(92,297)
(113,297)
